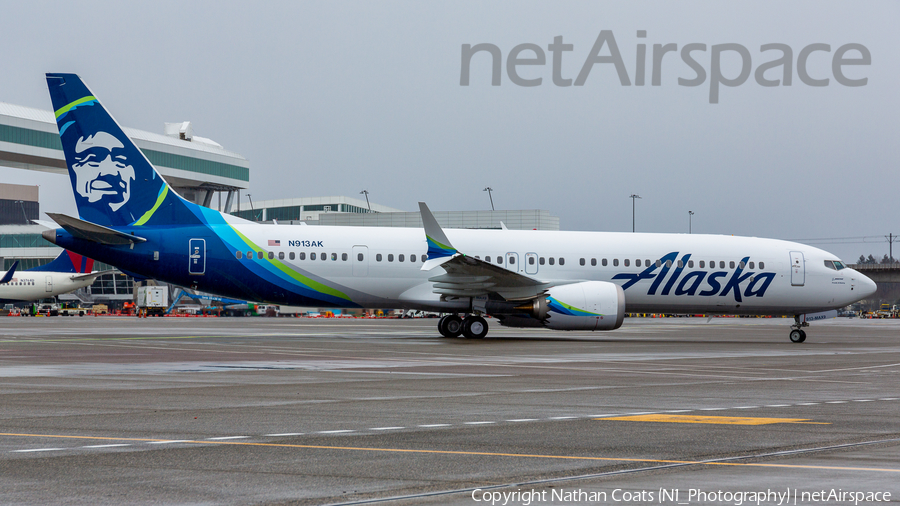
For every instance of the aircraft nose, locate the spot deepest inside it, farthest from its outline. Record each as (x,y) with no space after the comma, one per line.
(865,285)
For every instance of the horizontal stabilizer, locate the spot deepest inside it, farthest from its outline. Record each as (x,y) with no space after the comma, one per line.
(91,231)
(93,274)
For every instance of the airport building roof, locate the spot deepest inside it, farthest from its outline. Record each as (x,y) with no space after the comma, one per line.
(29,139)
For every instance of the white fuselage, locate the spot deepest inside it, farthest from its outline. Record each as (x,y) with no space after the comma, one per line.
(771,280)
(36,285)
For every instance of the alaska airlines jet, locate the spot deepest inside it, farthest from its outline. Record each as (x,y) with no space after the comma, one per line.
(131,218)
(67,273)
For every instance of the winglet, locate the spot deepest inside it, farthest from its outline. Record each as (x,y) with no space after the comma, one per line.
(439,248)
(9,274)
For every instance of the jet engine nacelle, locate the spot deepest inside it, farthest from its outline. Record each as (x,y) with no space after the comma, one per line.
(589,305)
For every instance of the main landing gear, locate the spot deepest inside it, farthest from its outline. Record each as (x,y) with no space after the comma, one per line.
(797,334)
(472,327)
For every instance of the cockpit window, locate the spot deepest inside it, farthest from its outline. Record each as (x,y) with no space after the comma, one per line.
(829,264)
(834,264)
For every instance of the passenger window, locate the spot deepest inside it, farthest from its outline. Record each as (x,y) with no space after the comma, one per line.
(259,255)
(702,264)
(680,264)
(669,264)
(390,257)
(239,254)
(742,265)
(344,257)
(541,260)
(412,258)
(637,263)
(401,257)
(512,260)
(659,263)
(359,257)
(291,255)
(499,260)
(302,255)
(762,265)
(647,262)
(690,264)
(562,261)
(312,256)
(581,261)
(378,257)
(731,264)
(249,255)
(627,262)
(603,262)
(615,262)
(721,264)
(551,261)
(271,255)
(281,255)
(324,256)
(593,262)
(424,258)
(530,260)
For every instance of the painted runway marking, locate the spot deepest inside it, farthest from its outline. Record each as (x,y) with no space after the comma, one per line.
(228,437)
(168,441)
(836,402)
(477,423)
(39,450)
(387,428)
(523,420)
(106,446)
(777,405)
(746,407)
(430,425)
(285,434)
(722,420)
(455,452)
(341,431)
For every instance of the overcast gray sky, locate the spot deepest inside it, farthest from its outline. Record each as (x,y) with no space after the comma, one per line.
(329,98)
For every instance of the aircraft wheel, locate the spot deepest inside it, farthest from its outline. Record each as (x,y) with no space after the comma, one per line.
(798,336)
(474,327)
(450,326)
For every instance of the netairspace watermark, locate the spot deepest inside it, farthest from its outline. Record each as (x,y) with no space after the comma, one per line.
(690,496)
(772,72)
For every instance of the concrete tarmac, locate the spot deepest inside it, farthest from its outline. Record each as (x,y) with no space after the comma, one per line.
(318,411)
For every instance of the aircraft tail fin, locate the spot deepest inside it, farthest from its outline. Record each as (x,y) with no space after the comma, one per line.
(68,261)
(114,183)
(9,274)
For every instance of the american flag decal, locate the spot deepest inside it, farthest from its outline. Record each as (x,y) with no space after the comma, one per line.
(276,242)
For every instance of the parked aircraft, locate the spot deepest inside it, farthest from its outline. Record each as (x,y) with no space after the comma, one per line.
(67,273)
(131,218)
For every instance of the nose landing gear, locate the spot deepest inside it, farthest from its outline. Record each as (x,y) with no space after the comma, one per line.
(797,334)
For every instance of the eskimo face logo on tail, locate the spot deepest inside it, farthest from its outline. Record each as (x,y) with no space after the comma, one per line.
(102,170)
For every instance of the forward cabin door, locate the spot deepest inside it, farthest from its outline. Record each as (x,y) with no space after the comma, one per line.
(798,269)
(49,280)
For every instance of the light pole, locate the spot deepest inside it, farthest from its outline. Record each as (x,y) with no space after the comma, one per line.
(22,204)
(633,196)
(690,215)
(366,193)
(251,204)
(489,190)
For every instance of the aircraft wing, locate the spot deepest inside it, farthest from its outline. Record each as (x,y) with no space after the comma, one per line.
(467,276)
